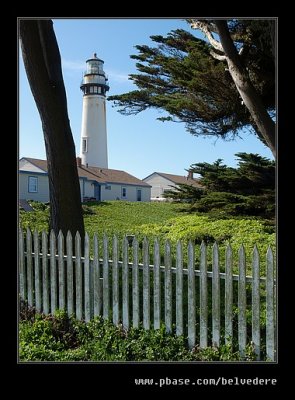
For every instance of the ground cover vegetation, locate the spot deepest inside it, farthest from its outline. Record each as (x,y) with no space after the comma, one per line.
(59,337)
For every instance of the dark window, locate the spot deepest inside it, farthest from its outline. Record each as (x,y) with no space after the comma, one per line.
(124,192)
(84,145)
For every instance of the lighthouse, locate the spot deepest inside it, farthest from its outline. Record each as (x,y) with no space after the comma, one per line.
(93,147)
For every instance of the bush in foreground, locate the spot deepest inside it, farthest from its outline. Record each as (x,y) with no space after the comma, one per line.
(60,338)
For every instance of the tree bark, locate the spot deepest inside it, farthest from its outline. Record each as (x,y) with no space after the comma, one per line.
(43,67)
(251,98)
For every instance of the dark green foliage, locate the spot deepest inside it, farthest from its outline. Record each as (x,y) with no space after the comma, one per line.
(60,338)
(232,204)
(247,190)
(38,206)
(181,77)
(254,175)
(186,193)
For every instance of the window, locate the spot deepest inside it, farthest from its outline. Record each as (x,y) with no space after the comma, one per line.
(108,187)
(33,184)
(138,195)
(91,89)
(99,90)
(124,192)
(84,145)
(94,70)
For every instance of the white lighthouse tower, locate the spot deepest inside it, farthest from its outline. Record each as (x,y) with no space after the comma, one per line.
(93,148)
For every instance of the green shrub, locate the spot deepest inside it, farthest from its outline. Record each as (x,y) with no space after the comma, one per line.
(38,206)
(248,232)
(59,338)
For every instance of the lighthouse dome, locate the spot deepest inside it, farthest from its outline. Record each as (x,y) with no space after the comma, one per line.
(94,65)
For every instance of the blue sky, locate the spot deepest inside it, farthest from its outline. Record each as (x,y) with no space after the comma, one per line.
(138,144)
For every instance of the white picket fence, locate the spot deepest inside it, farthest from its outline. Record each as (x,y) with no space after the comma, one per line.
(53,275)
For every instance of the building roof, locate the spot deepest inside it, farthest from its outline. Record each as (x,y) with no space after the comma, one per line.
(178,179)
(107,175)
(42,164)
(100,175)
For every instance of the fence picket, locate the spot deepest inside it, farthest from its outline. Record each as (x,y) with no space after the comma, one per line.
(91,283)
(168,287)
(256,303)
(87,283)
(125,285)
(70,275)
(270,310)
(215,297)
(203,297)
(30,282)
(79,283)
(53,283)
(22,268)
(228,296)
(45,273)
(61,272)
(38,297)
(179,289)
(106,293)
(242,324)
(191,296)
(115,282)
(96,278)
(135,285)
(146,285)
(157,285)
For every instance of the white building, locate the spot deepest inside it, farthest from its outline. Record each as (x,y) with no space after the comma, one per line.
(162,182)
(93,146)
(95,183)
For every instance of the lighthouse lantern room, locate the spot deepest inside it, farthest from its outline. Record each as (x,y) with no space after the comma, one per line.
(93,147)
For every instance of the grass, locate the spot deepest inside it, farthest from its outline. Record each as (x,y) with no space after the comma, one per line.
(167,221)
(127,217)
(109,216)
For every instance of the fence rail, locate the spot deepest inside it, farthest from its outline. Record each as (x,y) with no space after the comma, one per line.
(209,307)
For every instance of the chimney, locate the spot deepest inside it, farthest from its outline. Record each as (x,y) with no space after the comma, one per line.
(190,175)
(79,161)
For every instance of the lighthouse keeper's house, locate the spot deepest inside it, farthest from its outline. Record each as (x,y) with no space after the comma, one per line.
(96,183)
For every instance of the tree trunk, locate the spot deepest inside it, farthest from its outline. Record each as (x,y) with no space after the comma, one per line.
(251,98)
(43,67)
